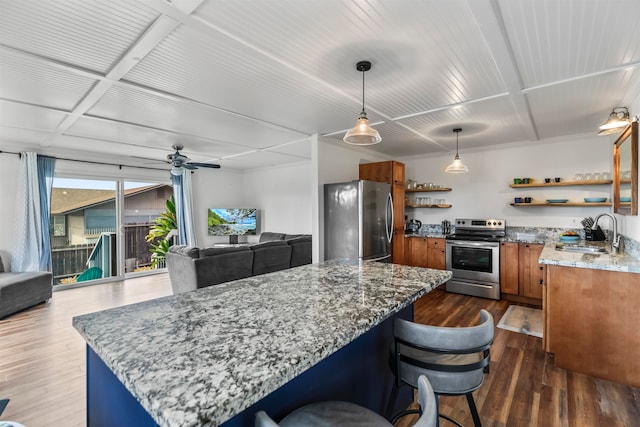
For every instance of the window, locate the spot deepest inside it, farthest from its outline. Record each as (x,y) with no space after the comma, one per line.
(58,224)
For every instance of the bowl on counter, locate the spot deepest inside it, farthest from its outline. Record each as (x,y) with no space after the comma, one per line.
(557,200)
(569,238)
(595,199)
(625,199)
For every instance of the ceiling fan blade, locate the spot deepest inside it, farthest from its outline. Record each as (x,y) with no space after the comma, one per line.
(203,165)
(189,166)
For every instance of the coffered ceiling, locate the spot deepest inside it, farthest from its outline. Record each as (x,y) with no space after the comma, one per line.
(245,83)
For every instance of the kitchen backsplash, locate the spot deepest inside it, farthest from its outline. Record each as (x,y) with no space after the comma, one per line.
(539,234)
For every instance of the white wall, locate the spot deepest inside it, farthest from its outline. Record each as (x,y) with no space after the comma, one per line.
(485,192)
(217,188)
(283,195)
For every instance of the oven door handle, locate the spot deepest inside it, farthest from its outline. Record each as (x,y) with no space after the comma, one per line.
(475,244)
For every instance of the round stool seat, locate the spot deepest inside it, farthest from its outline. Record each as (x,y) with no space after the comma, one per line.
(333,413)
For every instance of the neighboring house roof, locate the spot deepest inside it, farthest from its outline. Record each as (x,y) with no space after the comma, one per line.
(68,200)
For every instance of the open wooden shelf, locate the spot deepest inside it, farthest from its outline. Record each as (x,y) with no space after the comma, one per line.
(562,184)
(428,206)
(545,204)
(427,190)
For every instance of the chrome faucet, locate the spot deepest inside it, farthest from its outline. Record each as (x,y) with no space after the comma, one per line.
(615,244)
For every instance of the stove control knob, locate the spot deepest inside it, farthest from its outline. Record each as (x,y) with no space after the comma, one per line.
(499,222)
(494,223)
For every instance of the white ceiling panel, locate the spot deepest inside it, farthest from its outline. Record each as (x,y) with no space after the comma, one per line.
(29,117)
(28,139)
(257,159)
(555,40)
(557,110)
(32,81)
(224,73)
(136,77)
(91,34)
(420,49)
(483,123)
(138,136)
(171,114)
(300,149)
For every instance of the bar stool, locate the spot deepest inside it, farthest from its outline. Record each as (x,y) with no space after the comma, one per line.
(454,359)
(345,414)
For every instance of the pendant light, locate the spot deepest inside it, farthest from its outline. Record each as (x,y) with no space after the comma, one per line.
(457,166)
(618,119)
(362,133)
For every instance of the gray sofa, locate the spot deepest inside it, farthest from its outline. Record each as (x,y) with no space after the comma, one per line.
(191,268)
(23,290)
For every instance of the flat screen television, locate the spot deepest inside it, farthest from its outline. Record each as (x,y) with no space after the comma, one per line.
(232,221)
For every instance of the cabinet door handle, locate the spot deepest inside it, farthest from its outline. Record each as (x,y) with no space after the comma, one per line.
(541,268)
(526,246)
(541,282)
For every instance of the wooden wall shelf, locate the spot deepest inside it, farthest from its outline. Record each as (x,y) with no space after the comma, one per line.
(581,204)
(427,190)
(562,183)
(428,206)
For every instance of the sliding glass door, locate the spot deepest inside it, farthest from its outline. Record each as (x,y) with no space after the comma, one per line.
(99,229)
(83,230)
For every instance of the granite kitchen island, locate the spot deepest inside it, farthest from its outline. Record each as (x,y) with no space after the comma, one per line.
(274,342)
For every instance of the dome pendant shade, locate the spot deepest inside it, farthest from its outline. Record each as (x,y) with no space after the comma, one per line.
(457,166)
(618,118)
(362,133)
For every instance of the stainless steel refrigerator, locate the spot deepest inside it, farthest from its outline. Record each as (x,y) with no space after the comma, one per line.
(358,220)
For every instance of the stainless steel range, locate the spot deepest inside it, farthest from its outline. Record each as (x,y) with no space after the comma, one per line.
(473,255)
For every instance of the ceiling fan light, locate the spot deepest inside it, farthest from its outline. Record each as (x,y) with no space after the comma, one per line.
(177,170)
(457,166)
(618,118)
(362,133)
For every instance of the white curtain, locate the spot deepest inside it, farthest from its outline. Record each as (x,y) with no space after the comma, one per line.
(31,238)
(182,193)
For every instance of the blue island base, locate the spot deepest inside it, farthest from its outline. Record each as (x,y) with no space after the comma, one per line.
(358,373)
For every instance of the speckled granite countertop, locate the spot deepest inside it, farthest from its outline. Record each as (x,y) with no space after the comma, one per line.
(201,357)
(602,261)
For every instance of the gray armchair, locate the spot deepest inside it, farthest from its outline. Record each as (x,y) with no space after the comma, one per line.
(20,290)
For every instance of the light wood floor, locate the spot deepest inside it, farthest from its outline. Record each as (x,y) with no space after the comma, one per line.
(42,365)
(42,357)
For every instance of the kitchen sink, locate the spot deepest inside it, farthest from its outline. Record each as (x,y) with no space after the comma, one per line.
(580,248)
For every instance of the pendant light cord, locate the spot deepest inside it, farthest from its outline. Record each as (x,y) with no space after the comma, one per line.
(363,112)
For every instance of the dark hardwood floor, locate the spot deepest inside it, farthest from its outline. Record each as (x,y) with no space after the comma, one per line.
(523,387)
(42,365)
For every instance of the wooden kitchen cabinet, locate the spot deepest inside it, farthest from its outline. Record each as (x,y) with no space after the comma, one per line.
(436,253)
(521,277)
(531,274)
(393,173)
(418,251)
(509,282)
(426,252)
(591,320)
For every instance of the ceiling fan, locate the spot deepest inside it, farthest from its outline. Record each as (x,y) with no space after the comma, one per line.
(179,162)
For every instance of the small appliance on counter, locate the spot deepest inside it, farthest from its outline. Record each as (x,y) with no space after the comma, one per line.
(591,234)
(446,227)
(413,226)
